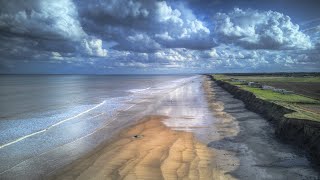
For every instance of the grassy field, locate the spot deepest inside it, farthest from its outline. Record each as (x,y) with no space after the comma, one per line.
(278,79)
(269,95)
(271,78)
(306,86)
(305,107)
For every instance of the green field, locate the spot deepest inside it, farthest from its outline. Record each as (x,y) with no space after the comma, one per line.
(295,102)
(273,78)
(269,95)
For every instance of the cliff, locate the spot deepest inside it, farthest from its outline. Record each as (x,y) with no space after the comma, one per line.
(304,133)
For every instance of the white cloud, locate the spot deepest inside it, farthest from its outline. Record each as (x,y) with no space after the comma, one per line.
(180,28)
(213,53)
(166,14)
(195,27)
(93,47)
(56,56)
(134,64)
(254,29)
(164,36)
(175,55)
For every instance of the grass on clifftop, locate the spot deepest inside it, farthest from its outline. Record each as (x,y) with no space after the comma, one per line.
(269,95)
(290,101)
(272,78)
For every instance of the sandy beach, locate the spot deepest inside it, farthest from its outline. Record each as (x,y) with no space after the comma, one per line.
(149,150)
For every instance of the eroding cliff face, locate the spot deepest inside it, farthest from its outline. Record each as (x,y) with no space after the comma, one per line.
(304,133)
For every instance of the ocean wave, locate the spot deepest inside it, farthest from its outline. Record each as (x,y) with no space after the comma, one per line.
(138,90)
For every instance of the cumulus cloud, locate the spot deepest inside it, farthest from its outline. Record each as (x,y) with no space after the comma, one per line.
(166,14)
(180,28)
(156,22)
(188,28)
(40,19)
(254,29)
(139,43)
(230,58)
(172,55)
(56,56)
(212,53)
(93,47)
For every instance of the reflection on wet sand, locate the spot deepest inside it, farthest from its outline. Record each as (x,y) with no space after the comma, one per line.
(149,150)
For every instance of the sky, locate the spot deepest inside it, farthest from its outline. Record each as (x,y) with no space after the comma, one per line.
(158,36)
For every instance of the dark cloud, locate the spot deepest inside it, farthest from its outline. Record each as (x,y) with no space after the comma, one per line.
(138,43)
(40,19)
(154,23)
(29,29)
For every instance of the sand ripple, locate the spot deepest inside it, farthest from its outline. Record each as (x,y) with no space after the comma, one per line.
(157,153)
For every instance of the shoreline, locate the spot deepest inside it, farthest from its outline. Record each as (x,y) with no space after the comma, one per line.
(183,119)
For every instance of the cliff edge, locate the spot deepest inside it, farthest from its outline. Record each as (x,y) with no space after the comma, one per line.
(304,133)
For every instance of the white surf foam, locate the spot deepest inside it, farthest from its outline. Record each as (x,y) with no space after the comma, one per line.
(54,125)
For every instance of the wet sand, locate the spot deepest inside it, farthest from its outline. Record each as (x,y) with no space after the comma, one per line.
(149,150)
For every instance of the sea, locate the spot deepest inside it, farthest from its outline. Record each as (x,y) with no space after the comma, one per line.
(39,113)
